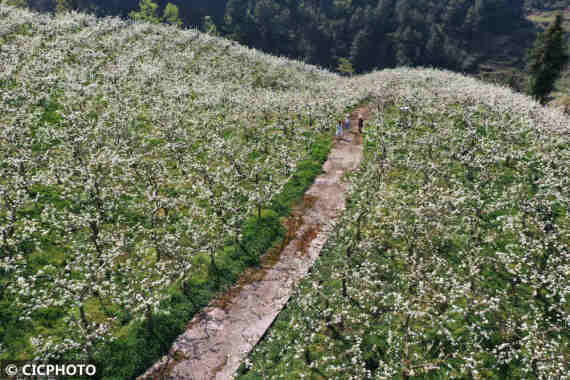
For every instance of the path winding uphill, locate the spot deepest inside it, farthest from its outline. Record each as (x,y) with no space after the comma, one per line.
(221,336)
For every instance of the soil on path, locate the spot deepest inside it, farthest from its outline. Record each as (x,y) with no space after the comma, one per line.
(218,339)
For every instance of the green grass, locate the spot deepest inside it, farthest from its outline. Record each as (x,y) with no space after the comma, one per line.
(138,347)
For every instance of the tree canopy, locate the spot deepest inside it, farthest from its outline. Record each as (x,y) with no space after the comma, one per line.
(546,60)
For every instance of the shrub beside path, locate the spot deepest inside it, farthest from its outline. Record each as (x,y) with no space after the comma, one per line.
(220,337)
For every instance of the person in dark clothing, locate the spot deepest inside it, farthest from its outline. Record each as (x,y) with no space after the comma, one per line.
(360,123)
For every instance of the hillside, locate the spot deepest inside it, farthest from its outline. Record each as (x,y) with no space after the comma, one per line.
(144,167)
(488,39)
(460,35)
(452,259)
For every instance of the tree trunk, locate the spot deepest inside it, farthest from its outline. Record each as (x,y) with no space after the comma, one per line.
(213,261)
(85,324)
(149,319)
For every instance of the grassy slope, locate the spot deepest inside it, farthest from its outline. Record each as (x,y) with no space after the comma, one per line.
(452,258)
(112,136)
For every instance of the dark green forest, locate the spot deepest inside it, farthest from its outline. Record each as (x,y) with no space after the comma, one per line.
(362,35)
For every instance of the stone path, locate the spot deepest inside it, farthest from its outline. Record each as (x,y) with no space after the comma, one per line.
(220,337)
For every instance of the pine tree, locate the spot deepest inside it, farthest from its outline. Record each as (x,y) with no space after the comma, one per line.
(546,60)
(171,15)
(362,50)
(65,6)
(345,66)
(147,12)
(208,26)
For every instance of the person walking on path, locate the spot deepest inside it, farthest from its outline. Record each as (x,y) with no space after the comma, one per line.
(360,123)
(347,122)
(339,132)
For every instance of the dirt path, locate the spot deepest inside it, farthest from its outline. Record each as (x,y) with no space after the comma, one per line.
(220,337)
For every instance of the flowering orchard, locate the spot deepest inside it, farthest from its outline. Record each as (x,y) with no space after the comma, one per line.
(133,156)
(130,156)
(452,258)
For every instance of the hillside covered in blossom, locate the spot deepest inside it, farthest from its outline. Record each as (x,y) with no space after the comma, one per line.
(452,258)
(144,167)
